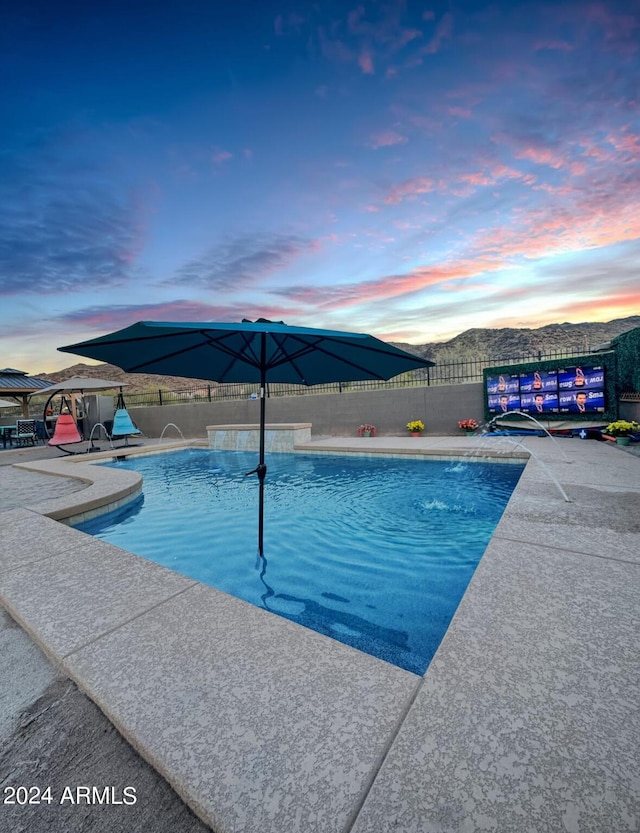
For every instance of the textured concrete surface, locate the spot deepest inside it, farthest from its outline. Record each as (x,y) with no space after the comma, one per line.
(52,735)
(528,716)
(527,719)
(69,599)
(258,723)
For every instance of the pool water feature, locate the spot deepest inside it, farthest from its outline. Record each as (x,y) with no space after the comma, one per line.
(373,552)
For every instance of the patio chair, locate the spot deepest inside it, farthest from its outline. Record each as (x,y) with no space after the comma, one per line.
(123,425)
(25,432)
(41,431)
(65,433)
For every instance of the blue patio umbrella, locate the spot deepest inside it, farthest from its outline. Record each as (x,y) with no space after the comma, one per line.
(252,351)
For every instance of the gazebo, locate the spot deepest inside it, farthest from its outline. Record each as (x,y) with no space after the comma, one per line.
(16,384)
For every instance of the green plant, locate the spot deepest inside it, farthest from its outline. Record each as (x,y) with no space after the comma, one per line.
(415,425)
(621,428)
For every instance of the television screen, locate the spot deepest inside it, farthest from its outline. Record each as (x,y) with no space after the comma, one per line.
(504,383)
(539,403)
(539,381)
(501,403)
(581,378)
(567,390)
(581,401)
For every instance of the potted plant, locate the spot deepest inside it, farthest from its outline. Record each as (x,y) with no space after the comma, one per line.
(621,431)
(416,426)
(367,430)
(468,425)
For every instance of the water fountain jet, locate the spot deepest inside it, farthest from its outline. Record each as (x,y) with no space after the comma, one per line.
(170,425)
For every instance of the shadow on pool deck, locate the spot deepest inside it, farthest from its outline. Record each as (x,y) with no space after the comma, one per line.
(525,718)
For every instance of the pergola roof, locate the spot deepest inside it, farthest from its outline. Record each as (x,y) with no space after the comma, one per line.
(17,385)
(14,382)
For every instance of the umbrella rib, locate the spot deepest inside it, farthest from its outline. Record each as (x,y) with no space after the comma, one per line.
(275,361)
(233,354)
(318,346)
(218,342)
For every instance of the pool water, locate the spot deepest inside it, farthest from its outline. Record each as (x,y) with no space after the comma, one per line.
(373,552)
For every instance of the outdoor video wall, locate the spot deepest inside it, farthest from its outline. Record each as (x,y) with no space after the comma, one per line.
(566,390)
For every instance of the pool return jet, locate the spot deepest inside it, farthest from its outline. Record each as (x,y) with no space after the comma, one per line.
(259,351)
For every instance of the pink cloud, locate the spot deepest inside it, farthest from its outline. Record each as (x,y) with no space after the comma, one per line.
(594,150)
(546,231)
(390,286)
(478,179)
(601,308)
(387,138)
(218,156)
(460,112)
(365,62)
(628,143)
(495,174)
(410,188)
(553,159)
(443,32)
(619,29)
(104,319)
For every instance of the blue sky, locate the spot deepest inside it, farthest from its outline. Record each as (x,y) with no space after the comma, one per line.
(407,169)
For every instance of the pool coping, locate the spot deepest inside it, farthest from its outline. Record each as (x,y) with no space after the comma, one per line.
(397,740)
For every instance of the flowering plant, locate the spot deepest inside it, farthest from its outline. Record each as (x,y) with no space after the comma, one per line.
(415,425)
(367,429)
(468,424)
(621,428)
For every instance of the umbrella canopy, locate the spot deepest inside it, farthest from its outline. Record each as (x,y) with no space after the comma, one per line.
(81,384)
(4,403)
(261,351)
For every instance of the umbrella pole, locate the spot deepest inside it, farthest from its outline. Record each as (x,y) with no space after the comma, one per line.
(262,469)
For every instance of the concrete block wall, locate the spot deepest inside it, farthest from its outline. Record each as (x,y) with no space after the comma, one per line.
(335,414)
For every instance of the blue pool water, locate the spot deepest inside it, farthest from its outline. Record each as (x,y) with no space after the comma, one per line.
(375,553)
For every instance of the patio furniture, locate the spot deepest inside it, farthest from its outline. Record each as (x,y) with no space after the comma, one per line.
(7,432)
(25,432)
(123,425)
(41,430)
(65,433)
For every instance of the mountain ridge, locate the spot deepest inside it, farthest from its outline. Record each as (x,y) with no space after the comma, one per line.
(485,343)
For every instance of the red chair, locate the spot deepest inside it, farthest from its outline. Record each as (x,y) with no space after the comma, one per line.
(66,432)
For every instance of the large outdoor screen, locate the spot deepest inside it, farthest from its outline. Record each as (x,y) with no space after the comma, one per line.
(567,390)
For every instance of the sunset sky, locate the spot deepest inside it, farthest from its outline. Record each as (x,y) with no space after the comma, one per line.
(406,169)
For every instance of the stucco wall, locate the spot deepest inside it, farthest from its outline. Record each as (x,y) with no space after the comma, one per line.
(439,407)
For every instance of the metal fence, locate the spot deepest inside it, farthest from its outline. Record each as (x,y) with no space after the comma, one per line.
(444,373)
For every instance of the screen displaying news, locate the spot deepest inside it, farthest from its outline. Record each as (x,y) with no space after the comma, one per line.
(539,403)
(504,383)
(567,390)
(581,401)
(502,403)
(581,378)
(539,381)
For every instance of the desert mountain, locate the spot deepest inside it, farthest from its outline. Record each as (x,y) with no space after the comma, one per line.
(512,343)
(488,344)
(133,381)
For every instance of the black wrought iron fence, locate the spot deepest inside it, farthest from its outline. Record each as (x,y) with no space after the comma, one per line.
(444,373)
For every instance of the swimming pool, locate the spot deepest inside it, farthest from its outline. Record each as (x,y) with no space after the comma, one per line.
(374,552)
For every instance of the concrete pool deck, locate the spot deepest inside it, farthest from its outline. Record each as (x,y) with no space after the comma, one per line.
(527,718)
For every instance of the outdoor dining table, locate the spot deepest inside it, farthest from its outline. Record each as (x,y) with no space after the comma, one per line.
(7,434)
